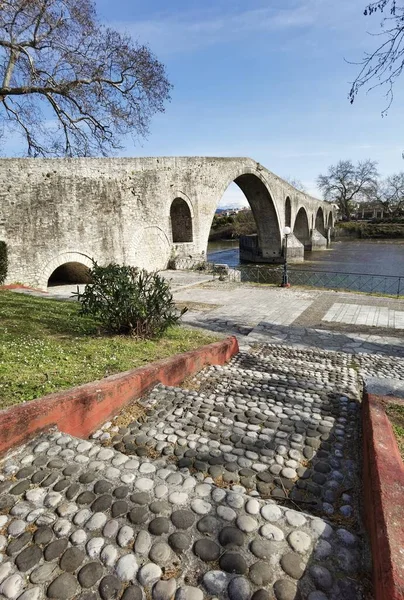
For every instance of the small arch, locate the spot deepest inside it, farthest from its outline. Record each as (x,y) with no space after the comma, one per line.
(288,212)
(301,228)
(330,220)
(319,225)
(181,221)
(68,273)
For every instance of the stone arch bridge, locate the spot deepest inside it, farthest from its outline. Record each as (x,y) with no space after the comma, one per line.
(142,211)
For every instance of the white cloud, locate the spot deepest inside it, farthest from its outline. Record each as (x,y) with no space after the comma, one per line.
(171,33)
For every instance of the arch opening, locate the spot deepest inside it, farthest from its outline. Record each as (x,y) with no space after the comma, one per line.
(319,224)
(181,221)
(252,220)
(301,229)
(70,273)
(288,212)
(330,220)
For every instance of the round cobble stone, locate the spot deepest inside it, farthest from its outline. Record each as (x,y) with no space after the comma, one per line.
(246,524)
(28,558)
(160,553)
(63,587)
(164,590)
(55,549)
(299,541)
(133,592)
(207,550)
(43,535)
(239,589)
(286,590)
(233,562)
(148,574)
(90,574)
(159,525)
(72,559)
(44,573)
(182,519)
(293,565)
(208,524)
(261,573)
(189,593)
(231,536)
(179,542)
(262,548)
(215,582)
(109,587)
(321,577)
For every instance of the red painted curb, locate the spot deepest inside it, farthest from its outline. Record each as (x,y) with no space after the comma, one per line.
(80,410)
(383,482)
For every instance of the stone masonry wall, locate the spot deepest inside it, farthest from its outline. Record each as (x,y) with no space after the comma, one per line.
(118,209)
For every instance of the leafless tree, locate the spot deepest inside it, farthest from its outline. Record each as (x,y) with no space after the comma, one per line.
(346,183)
(389,193)
(70,85)
(384,64)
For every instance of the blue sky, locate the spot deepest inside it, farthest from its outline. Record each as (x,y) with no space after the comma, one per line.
(264,79)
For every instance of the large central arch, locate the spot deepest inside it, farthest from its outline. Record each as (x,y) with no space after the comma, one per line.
(266,245)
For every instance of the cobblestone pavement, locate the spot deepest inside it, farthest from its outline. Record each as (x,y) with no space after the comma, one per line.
(240,485)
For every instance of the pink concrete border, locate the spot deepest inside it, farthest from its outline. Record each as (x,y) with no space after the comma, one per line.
(383,482)
(81,410)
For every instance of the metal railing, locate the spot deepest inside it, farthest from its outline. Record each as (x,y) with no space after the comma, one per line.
(392,285)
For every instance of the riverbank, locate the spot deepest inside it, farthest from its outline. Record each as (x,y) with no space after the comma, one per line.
(367,230)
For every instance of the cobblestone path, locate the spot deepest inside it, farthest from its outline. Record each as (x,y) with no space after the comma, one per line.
(243,484)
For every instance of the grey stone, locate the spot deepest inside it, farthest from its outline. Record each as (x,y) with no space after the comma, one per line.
(206,550)
(64,587)
(263,548)
(160,553)
(189,593)
(233,562)
(28,558)
(261,573)
(159,525)
(239,589)
(179,542)
(231,536)
(299,541)
(164,590)
(133,592)
(286,590)
(143,542)
(44,573)
(109,587)
(149,574)
(12,586)
(293,565)
(55,549)
(72,559)
(43,535)
(321,577)
(182,519)
(215,582)
(246,524)
(90,574)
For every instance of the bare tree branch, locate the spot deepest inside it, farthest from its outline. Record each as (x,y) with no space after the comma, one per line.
(55,58)
(385,64)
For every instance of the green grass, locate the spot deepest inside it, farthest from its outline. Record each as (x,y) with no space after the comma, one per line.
(45,346)
(395,413)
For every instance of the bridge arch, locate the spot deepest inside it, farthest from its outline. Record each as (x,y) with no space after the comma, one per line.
(301,228)
(66,267)
(181,221)
(319,223)
(288,212)
(264,208)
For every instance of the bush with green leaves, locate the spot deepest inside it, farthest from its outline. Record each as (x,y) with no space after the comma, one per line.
(3,261)
(129,301)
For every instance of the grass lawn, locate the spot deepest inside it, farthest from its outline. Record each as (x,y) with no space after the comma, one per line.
(395,412)
(45,346)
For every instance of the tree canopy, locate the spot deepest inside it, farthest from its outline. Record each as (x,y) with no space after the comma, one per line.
(346,183)
(71,86)
(385,63)
(389,193)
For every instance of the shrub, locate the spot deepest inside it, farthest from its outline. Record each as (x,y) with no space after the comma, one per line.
(3,261)
(129,301)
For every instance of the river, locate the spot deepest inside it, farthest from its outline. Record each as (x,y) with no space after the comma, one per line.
(360,257)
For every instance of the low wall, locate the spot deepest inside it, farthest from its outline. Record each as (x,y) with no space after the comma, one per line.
(81,410)
(383,483)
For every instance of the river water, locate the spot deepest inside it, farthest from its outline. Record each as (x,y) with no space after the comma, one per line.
(360,257)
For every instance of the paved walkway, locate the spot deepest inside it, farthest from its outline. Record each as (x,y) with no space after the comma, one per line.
(242,486)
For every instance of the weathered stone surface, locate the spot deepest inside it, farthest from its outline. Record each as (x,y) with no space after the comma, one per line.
(64,587)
